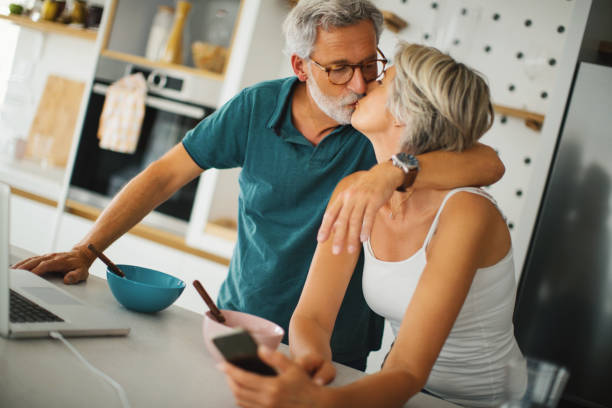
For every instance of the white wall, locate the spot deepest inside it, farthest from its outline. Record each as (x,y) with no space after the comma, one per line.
(10,104)
(489,36)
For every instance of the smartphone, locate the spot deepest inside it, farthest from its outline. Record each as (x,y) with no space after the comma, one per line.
(239,349)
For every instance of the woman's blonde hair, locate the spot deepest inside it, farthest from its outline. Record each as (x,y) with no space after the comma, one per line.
(445,105)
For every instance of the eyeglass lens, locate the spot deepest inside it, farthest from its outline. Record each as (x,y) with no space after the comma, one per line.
(369,70)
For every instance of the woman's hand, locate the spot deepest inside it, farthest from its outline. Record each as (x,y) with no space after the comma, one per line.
(73,264)
(291,388)
(321,371)
(350,214)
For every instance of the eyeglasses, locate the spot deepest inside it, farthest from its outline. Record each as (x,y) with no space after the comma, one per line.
(342,73)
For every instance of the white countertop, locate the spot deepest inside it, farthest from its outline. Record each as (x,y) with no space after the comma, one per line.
(161,363)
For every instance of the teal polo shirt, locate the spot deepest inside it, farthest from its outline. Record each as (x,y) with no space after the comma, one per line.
(285,184)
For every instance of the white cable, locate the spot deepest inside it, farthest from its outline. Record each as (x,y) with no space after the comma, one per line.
(120,391)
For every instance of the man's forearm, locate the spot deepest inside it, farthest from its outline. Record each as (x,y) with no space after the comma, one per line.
(139,197)
(478,166)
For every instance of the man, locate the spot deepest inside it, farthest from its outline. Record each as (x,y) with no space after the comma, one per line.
(293,140)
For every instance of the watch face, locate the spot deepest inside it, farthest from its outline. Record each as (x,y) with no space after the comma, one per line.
(408,159)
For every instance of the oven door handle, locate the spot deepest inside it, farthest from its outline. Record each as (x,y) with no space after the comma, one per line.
(162,104)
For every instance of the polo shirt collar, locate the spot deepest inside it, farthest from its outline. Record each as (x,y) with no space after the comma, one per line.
(281,116)
(284,97)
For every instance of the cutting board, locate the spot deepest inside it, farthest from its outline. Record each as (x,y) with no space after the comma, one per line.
(55,119)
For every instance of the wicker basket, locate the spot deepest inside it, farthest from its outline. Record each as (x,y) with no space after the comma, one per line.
(209,56)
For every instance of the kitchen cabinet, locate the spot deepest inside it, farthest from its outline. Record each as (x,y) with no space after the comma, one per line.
(130,26)
(255,53)
(41,49)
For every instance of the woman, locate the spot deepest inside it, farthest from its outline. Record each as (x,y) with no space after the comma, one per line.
(438,264)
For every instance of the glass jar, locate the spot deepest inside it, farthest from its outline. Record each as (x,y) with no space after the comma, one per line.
(160,30)
(220,28)
(49,10)
(78,12)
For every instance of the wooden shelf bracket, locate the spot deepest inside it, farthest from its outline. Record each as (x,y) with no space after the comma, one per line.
(532,120)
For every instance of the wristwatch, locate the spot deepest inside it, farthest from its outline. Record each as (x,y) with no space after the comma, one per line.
(409,164)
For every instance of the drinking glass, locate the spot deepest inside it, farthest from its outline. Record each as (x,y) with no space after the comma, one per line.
(534,383)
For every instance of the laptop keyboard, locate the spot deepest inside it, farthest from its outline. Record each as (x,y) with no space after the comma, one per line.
(26,311)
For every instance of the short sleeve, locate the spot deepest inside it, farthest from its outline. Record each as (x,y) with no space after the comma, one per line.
(219,141)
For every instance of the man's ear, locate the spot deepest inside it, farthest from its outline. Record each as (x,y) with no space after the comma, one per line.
(299,67)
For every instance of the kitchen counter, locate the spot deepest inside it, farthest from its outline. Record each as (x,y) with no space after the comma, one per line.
(161,363)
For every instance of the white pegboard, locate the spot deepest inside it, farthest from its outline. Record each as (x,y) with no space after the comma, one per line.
(517,46)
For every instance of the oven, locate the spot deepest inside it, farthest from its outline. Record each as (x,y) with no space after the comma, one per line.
(170,111)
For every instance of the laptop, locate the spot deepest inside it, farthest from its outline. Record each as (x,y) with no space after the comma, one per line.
(30,306)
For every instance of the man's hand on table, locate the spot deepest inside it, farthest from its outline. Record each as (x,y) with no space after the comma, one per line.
(73,264)
(350,213)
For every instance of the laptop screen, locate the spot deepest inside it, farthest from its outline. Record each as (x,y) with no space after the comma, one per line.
(5,194)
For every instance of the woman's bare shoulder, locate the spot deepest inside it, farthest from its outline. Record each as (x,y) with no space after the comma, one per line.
(474,218)
(471,216)
(471,205)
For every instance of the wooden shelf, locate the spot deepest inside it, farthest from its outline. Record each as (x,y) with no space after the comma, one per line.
(144,231)
(223,228)
(51,27)
(134,59)
(394,22)
(532,120)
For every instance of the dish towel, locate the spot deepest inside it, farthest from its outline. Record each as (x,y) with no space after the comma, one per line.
(122,114)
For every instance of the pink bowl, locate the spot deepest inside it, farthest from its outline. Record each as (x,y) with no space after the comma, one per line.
(263,331)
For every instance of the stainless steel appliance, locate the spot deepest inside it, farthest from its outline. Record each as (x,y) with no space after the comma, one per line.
(564,303)
(172,108)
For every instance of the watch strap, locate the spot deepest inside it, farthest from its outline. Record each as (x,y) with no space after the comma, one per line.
(408,180)
(409,165)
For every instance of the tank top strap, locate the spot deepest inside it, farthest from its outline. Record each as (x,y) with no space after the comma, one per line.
(434,224)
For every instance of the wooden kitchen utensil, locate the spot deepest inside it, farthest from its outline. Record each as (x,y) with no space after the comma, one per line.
(56,118)
(214,310)
(111,266)
(174,47)
(394,22)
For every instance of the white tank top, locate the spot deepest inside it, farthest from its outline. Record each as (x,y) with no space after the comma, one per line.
(470,369)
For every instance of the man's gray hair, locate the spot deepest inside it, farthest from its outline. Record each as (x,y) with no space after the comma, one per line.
(300,26)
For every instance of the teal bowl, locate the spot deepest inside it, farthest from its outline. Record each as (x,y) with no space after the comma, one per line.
(144,290)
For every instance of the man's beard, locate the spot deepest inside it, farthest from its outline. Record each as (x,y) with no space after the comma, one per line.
(334,107)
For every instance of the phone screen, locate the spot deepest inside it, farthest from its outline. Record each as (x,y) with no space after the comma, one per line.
(240,349)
